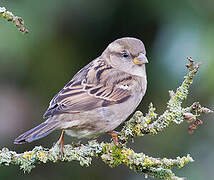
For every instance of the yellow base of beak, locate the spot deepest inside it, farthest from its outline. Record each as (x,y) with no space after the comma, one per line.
(137,61)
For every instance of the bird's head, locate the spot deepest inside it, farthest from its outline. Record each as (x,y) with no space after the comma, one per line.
(128,55)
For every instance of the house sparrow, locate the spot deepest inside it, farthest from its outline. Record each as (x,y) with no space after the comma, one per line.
(99,97)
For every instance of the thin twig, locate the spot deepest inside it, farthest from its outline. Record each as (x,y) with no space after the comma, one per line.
(17,21)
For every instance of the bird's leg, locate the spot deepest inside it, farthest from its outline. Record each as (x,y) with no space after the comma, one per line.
(61,142)
(114,136)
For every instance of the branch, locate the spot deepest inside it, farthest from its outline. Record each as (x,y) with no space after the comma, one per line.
(112,155)
(140,125)
(17,21)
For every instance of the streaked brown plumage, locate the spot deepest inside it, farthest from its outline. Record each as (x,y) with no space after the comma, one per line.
(100,96)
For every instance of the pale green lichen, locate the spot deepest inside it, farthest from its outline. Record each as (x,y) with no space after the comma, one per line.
(112,155)
(27,160)
(140,125)
(17,21)
(140,162)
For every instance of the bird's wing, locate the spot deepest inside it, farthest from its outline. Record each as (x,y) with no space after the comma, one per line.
(96,85)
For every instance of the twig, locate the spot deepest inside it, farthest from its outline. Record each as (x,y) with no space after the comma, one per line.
(17,21)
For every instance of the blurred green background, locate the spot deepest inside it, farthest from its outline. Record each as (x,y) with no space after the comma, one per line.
(65,35)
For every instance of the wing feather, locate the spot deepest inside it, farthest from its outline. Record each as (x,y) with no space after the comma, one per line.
(96,85)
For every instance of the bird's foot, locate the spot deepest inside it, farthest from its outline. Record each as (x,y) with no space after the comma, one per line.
(114,135)
(61,143)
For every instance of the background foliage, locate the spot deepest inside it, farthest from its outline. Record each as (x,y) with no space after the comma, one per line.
(65,35)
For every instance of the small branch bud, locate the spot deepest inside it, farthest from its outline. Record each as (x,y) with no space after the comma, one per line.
(205,110)
(195,125)
(189,117)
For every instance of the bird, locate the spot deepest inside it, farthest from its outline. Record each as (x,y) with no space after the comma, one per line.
(99,97)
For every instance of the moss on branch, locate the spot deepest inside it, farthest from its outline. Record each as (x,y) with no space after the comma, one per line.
(138,125)
(17,21)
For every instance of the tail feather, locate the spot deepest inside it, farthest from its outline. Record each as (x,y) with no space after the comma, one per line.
(38,132)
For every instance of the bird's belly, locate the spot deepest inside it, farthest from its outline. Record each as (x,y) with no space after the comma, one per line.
(93,123)
(122,111)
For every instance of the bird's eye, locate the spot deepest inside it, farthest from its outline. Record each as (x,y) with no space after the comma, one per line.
(125,54)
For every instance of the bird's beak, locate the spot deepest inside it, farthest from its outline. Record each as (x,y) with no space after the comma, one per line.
(141,59)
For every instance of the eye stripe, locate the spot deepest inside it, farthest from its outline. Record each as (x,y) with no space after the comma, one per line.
(118,54)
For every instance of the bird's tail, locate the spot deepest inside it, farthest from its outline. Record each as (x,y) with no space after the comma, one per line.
(38,132)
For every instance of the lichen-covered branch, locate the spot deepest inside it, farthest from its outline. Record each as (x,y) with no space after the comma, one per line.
(17,21)
(112,155)
(151,123)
